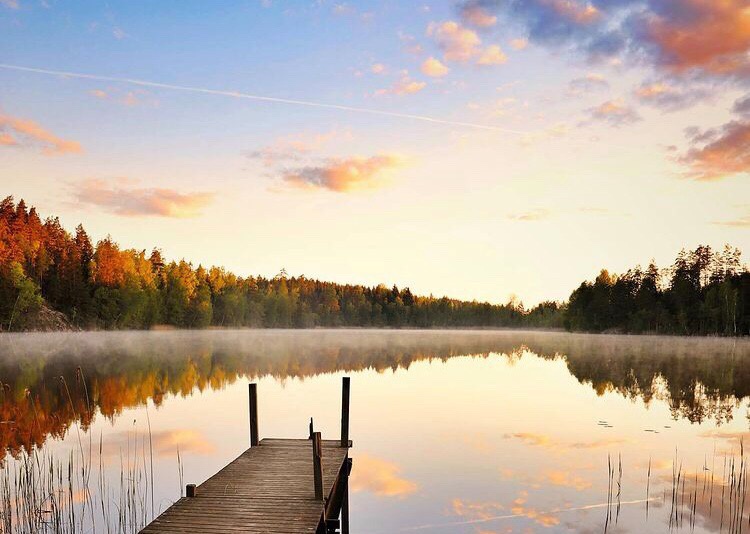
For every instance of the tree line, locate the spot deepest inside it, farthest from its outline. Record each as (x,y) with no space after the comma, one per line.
(46,271)
(704,292)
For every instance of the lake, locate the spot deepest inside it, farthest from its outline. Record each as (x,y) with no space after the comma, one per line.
(454,431)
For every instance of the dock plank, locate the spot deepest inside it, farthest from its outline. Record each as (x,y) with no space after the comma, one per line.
(268,488)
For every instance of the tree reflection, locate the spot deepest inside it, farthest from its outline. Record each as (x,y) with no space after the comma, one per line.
(52,380)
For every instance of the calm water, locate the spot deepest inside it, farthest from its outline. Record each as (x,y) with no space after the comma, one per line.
(461,432)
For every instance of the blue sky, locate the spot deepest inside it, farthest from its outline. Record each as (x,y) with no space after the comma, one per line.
(553,137)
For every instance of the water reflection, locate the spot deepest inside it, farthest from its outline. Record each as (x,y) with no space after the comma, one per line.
(51,380)
(463,432)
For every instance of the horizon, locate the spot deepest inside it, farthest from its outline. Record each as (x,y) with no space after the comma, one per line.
(534,144)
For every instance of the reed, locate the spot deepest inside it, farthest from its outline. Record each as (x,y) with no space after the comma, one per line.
(42,493)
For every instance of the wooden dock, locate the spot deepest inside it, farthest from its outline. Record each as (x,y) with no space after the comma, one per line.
(277,485)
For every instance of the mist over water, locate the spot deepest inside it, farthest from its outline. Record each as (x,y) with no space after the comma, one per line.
(455,431)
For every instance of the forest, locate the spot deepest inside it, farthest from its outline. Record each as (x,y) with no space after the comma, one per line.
(704,292)
(49,276)
(51,279)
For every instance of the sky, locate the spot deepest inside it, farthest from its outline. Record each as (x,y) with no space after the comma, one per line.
(479,149)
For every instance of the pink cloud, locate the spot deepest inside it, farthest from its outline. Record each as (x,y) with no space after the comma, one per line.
(17,131)
(344,175)
(615,112)
(295,147)
(519,43)
(711,35)
(457,42)
(404,86)
(434,67)
(719,153)
(380,477)
(128,201)
(532,215)
(476,15)
(126,98)
(578,12)
(492,55)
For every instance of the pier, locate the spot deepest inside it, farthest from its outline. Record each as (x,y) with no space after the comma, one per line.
(277,485)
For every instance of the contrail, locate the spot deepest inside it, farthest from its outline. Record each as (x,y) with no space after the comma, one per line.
(514,516)
(236,94)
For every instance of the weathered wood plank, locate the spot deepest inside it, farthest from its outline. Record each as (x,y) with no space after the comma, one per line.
(268,488)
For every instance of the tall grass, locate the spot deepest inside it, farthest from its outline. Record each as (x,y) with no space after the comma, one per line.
(42,493)
(718,500)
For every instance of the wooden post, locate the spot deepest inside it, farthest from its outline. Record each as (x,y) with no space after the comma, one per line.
(253,393)
(345,411)
(345,500)
(318,465)
(312,429)
(190,490)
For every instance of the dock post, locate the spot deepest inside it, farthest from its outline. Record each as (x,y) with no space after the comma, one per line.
(345,385)
(345,499)
(253,394)
(190,490)
(318,465)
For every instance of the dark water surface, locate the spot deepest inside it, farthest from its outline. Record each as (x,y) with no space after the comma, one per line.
(454,431)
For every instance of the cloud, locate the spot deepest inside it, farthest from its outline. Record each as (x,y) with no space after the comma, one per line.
(547,442)
(24,132)
(540,440)
(7,140)
(520,43)
(10,4)
(727,435)
(119,33)
(377,68)
(741,222)
(742,106)
(474,14)
(295,147)
(404,86)
(519,507)
(492,55)
(434,67)
(165,443)
(678,37)
(567,480)
(718,153)
(460,44)
(380,477)
(126,98)
(615,112)
(585,84)
(457,42)
(475,510)
(577,12)
(712,37)
(554,477)
(410,44)
(669,97)
(129,201)
(344,175)
(532,215)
